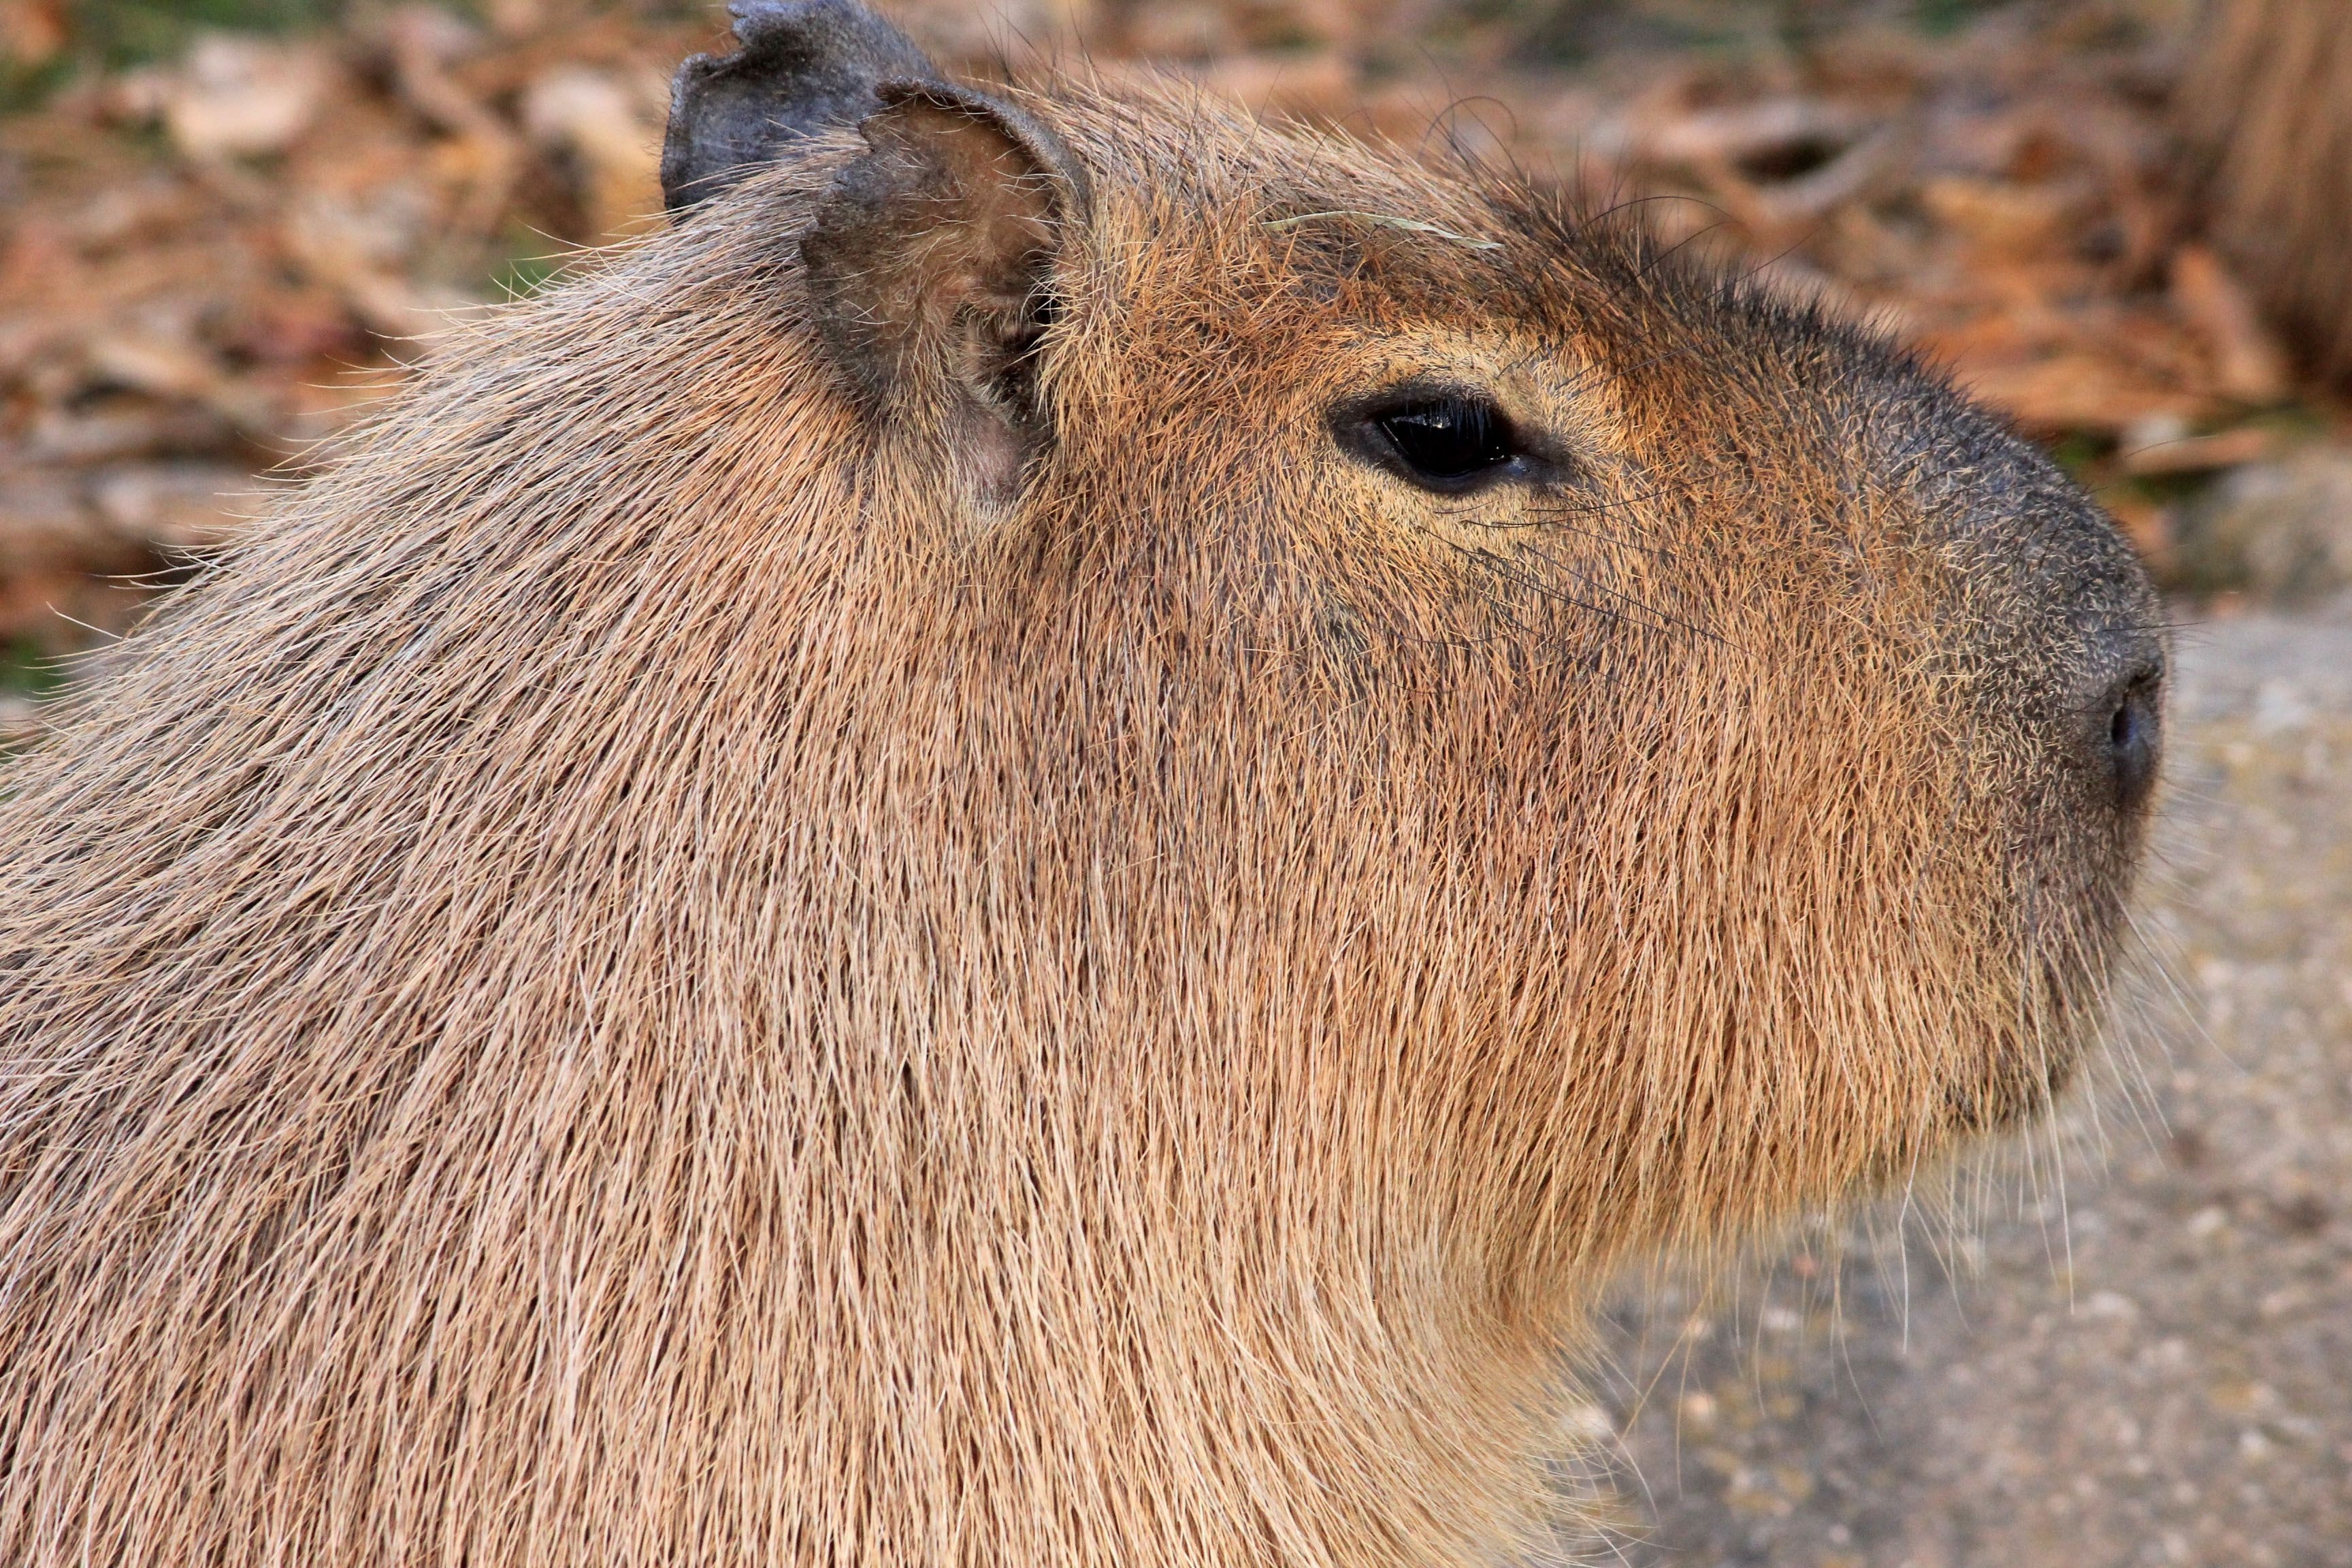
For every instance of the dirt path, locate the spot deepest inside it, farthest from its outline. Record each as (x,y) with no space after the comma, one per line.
(2158,1370)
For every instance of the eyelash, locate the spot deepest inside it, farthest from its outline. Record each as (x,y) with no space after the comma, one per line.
(1447,441)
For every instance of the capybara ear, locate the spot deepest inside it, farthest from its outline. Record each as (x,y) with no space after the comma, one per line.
(804,64)
(930,265)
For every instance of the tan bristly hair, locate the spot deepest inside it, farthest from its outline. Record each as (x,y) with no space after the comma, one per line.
(663,970)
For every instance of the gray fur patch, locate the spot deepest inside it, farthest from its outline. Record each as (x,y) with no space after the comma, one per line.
(804,64)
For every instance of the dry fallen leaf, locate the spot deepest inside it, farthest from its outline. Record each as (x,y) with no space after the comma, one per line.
(2249,364)
(176,505)
(32,32)
(239,97)
(612,131)
(2197,454)
(2078,390)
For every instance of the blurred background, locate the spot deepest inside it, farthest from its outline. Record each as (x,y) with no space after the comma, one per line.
(229,227)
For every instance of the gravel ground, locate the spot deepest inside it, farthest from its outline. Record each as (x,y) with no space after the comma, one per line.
(2154,1366)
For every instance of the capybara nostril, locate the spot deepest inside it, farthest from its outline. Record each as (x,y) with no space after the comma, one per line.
(2134,735)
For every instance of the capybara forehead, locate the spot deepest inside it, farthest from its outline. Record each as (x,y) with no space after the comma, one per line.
(1217,231)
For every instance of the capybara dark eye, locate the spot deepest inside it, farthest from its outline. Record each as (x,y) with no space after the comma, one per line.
(1441,440)
(1449,441)
(2134,743)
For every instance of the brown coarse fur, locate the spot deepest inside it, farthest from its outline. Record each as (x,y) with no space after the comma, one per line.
(2267,100)
(654,974)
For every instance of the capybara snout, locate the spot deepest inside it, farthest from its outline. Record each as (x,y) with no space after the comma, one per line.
(2083,627)
(1030,847)
(2061,626)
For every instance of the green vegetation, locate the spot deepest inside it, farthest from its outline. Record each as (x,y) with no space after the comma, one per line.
(123,32)
(129,32)
(1938,18)
(2080,452)
(526,268)
(27,671)
(118,33)
(24,86)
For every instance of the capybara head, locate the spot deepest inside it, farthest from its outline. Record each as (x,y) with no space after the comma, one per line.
(1028,849)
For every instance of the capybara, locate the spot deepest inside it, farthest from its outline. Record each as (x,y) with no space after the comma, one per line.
(1028,849)
(2267,103)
